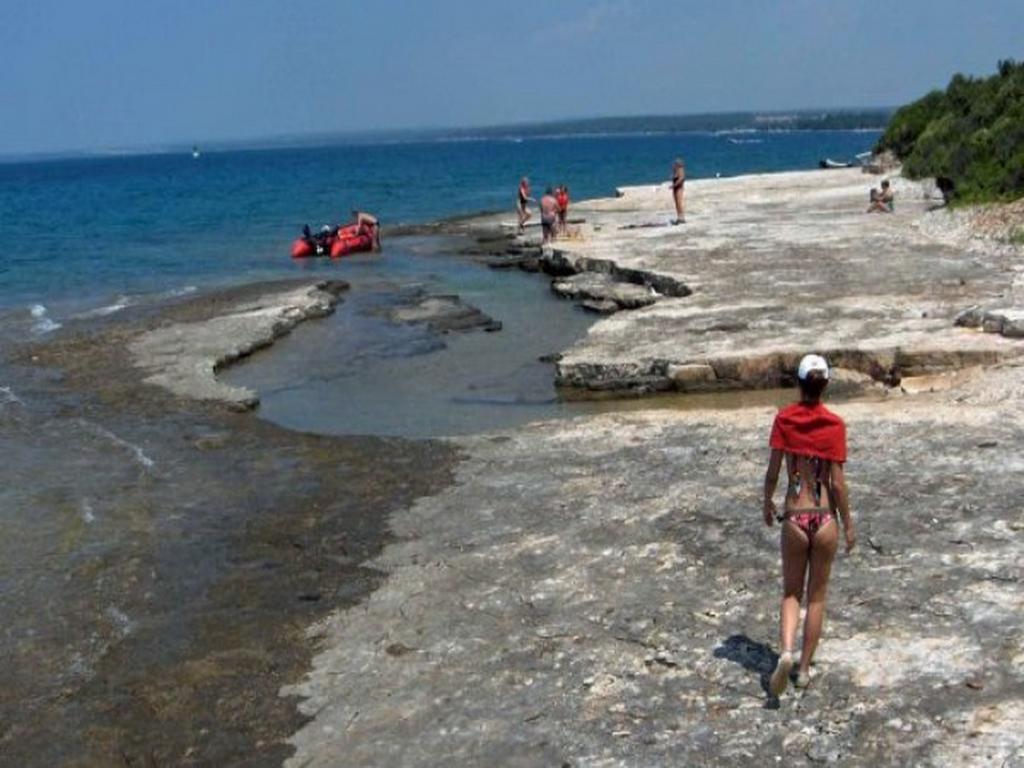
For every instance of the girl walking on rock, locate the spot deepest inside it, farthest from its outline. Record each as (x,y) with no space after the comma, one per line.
(812,441)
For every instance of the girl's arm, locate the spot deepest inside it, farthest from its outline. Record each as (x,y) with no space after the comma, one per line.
(841,503)
(771,479)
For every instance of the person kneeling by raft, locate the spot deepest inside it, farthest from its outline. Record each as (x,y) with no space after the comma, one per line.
(812,440)
(367,224)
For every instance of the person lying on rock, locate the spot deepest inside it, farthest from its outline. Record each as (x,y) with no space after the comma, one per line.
(812,441)
(883,201)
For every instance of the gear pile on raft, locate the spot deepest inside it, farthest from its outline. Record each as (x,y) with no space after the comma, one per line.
(360,236)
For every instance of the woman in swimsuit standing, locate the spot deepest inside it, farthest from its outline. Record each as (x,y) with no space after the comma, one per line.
(562,197)
(522,201)
(812,440)
(678,180)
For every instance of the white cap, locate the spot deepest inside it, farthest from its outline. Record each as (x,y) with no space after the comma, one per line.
(812,363)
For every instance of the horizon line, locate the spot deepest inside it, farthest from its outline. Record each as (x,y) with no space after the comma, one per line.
(312,139)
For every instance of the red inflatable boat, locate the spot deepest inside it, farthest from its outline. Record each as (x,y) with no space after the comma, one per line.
(342,242)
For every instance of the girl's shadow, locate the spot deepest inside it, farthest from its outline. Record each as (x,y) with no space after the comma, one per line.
(754,657)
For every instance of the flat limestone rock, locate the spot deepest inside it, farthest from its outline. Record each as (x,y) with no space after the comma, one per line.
(770,267)
(604,288)
(548,599)
(692,377)
(184,358)
(1005,322)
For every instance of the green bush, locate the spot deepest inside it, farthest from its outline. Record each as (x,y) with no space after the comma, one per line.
(973,133)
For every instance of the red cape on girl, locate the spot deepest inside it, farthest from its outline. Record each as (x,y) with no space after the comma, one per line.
(809,430)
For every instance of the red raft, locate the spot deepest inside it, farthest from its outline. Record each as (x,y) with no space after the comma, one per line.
(342,242)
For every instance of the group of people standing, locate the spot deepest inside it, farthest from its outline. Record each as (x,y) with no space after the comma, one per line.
(554,209)
(554,205)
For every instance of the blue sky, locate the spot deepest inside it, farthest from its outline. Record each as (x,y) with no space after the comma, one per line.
(83,74)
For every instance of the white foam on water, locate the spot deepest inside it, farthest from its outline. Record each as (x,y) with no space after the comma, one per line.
(119,303)
(7,397)
(121,621)
(79,666)
(46,325)
(138,454)
(85,508)
(124,301)
(183,291)
(43,324)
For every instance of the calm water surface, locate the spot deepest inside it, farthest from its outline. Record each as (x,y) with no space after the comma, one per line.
(91,233)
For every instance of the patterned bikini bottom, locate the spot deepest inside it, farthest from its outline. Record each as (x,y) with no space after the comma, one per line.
(810,521)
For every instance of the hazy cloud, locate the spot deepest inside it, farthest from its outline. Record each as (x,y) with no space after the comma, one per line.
(592,23)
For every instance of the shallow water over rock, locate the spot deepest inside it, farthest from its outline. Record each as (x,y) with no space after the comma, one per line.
(161,559)
(371,368)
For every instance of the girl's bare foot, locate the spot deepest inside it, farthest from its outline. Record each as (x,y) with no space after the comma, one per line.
(780,677)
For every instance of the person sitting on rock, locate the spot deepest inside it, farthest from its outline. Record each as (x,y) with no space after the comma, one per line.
(883,201)
(812,441)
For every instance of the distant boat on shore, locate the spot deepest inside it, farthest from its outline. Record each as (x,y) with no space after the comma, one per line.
(860,159)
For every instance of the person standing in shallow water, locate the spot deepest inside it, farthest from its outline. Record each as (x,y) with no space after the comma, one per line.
(812,442)
(678,182)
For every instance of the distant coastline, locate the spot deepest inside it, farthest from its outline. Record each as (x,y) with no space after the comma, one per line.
(845,119)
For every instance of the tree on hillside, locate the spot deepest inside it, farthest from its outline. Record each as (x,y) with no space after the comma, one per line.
(972,133)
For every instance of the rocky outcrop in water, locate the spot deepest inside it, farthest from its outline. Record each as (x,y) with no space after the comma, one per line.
(443,314)
(184,357)
(602,293)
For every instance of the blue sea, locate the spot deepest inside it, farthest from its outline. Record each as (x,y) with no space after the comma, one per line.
(93,234)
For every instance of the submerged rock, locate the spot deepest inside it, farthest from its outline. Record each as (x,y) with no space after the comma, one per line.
(443,314)
(601,307)
(184,357)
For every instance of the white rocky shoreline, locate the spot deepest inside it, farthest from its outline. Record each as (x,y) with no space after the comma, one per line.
(601,592)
